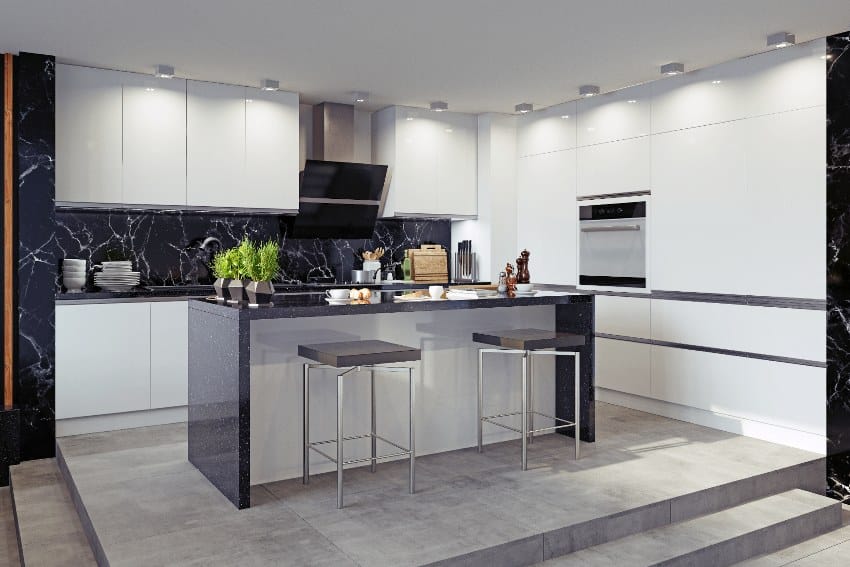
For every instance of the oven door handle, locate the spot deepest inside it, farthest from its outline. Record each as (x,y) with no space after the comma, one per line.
(610,228)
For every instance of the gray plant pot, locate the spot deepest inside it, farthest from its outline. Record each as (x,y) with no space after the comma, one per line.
(221,292)
(259,293)
(237,290)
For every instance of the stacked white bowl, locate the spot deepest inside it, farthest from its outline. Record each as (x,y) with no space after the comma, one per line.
(116,276)
(74,275)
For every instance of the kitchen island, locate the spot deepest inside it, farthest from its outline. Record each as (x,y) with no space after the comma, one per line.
(245,376)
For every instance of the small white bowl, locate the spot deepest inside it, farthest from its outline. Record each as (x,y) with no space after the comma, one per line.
(524,287)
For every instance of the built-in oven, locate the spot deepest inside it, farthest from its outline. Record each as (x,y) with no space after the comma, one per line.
(613,243)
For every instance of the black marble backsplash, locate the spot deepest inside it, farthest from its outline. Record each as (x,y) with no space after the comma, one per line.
(167,246)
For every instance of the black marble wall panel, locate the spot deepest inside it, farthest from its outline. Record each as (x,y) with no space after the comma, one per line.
(577,317)
(166,246)
(34,81)
(838,266)
(10,448)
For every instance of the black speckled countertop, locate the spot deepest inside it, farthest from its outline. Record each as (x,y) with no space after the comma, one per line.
(288,306)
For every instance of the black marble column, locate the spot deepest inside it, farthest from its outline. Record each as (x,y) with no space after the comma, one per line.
(577,317)
(10,448)
(34,112)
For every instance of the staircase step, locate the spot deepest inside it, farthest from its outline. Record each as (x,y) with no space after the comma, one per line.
(49,529)
(721,538)
(8,537)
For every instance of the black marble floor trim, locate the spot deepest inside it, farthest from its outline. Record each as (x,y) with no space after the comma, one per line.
(714,350)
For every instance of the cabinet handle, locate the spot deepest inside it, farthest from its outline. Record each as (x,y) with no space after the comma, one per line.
(610,228)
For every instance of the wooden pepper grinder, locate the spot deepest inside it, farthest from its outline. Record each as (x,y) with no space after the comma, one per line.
(511,280)
(522,275)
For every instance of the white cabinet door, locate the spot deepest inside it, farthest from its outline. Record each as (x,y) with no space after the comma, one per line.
(102,359)
(700,223)
(154,138)
(623,366)
(215,144)
(787,191)
(414,182)
(271,150)
(457,165)
(613,116)
(169,354)
(614,167)
(88,135)
(549,130)
(626,316)
(546,215)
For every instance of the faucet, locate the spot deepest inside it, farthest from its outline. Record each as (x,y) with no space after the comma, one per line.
(210,240)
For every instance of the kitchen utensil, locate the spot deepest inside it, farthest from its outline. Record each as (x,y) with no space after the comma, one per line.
(362,276)
(375,267)
(435,291)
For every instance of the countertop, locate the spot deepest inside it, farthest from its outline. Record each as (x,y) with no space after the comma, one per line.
(287,306)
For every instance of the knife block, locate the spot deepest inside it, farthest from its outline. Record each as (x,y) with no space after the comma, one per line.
(465,273)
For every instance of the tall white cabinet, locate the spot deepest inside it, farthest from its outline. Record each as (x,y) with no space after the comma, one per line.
(432,158)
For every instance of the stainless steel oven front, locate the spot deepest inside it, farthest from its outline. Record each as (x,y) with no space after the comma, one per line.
(612,244)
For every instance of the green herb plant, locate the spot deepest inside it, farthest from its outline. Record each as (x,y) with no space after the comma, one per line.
(266,264)
(230,261)
(221,266)
(246,258)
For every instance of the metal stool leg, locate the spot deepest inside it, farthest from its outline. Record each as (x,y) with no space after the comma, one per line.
(374,421)
(412,433)
(577,404)
(339,435)
(480,400)
(524,420)
(306,429)
(530,360)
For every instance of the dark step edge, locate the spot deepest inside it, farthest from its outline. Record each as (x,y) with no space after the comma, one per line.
(735,549)
(82,513)
(17,523)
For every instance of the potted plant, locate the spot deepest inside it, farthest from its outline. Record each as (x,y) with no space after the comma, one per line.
(264,267)
(223,271)
(242,257)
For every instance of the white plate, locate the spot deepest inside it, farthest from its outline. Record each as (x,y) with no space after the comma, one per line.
(333,301)
(526,293)
(412,299)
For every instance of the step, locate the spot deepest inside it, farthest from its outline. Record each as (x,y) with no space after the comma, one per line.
(8,537)
(48,528)
(722,538)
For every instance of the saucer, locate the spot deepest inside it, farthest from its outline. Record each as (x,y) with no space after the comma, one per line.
(332,301)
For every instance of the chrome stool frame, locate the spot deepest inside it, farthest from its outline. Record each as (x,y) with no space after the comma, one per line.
(340,461)
(528,412)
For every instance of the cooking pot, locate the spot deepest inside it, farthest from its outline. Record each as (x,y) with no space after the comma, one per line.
(362,276)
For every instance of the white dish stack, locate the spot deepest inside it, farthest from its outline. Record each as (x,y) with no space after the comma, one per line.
(74,274)
(116,276)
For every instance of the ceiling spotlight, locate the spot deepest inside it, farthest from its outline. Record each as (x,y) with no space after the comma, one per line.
(269,85)
(827,57)
(439,106)
(673,69)
(565,116)
(524,107)
(359,97)
(781,39)
(716,82)
(631,101)
(588,90)
(163,71)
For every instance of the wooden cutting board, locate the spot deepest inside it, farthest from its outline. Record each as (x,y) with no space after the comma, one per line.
(429,263)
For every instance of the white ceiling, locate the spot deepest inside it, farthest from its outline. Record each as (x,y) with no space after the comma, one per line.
(479,55)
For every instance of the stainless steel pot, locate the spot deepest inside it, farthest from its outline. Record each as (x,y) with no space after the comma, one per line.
(362,276)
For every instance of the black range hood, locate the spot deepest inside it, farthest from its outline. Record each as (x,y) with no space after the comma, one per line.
(339,199)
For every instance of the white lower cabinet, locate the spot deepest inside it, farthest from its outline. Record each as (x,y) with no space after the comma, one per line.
(623,366)
(102,359)
(120,357)
(626,316)
(169,354)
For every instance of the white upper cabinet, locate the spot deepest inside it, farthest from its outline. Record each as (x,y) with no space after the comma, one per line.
(88,135)
(215,144)
(432,159)
(614,167)
(614,116)
(271,150)
(778,81)
(549,130)
(154,139)
(546,215)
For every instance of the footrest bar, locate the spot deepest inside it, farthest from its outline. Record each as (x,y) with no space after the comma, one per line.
(502,425)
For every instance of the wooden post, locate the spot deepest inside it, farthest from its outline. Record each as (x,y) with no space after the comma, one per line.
(8,234)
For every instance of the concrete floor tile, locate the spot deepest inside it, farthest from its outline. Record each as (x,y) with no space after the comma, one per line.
(8,538)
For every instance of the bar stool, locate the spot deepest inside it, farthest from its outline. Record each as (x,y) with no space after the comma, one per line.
(357,355)
(528,343)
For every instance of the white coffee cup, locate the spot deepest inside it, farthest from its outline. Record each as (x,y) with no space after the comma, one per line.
(337,293)
(435,291)
(524,287)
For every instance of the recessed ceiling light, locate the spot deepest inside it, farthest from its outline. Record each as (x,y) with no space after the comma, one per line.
(150,89)
(163,71)
(673,68)
(439,106)
(631,101)
(565,116)
(716,82)
(409,118)
(781,39)
(588,90)
(249,100)
(269,85)
(359,96)
(524,107)
(449,130)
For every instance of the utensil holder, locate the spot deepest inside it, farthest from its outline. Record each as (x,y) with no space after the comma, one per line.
(465,268)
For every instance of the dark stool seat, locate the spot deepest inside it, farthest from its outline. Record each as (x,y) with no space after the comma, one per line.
(359,353)
(348,357)
(529,339)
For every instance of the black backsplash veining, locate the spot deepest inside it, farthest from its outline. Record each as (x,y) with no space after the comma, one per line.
(165,246)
